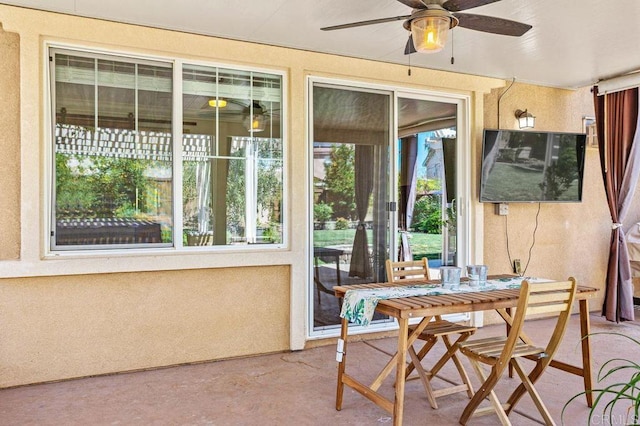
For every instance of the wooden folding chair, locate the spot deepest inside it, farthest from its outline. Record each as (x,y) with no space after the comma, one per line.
(418,271)
(500,352)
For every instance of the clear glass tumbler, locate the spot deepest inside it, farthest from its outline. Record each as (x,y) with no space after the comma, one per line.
(477,275)
(450,276)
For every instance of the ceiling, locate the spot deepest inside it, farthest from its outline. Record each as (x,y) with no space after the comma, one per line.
(573,43)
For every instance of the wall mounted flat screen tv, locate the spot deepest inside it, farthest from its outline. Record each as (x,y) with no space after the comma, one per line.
(531,167)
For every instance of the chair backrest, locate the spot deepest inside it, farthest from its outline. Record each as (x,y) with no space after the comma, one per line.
(538,298)
(416,270)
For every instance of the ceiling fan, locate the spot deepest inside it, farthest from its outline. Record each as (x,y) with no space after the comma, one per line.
(254,115)
(431,20)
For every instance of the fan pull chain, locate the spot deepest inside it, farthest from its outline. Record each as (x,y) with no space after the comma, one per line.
(409,71)
(452,58)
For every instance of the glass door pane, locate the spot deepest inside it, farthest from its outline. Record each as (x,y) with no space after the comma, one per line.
(351,139)
(427,181)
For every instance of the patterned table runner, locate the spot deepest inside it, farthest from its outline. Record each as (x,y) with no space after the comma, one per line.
(358,306)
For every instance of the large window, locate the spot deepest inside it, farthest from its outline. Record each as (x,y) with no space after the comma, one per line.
(232,174)
(114,146)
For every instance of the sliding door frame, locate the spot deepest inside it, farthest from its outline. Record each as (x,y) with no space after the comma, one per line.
(465,248)
(463,165)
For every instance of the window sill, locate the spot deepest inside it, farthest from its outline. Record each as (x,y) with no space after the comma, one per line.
(139,260)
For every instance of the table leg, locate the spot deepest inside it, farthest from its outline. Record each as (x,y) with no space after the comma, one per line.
(585,369)
(341,365)
(510,313)
(586,350)
(401,367)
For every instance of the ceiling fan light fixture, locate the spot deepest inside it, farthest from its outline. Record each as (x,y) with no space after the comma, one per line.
(255,122)
(255,118)
(430,33)
(217,103)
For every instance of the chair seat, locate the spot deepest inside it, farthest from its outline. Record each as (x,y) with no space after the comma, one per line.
(443,327)
(488,350)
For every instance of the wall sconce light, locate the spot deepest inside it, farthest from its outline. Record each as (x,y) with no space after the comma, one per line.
(217,103)
(526,120)
(257,121)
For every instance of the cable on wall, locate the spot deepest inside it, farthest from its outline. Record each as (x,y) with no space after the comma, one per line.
(500,98)
(506,217)
(533,243)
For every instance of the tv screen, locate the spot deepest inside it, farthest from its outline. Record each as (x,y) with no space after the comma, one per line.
(527,167)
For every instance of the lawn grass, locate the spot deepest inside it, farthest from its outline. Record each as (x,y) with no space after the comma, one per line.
(425,245)
(513,183)
(422,245)
(330,237)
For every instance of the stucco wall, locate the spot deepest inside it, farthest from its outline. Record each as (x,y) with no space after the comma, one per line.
(74,315)
(71,326)
(9,145)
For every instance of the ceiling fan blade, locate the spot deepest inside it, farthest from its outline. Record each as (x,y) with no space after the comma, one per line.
(458,5)
(415,4)
(363,23)
(491,24)
(410,47)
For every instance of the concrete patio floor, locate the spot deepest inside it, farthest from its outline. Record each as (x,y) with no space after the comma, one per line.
(296,388)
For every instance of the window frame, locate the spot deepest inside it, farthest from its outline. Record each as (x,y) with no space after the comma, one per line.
(176,246)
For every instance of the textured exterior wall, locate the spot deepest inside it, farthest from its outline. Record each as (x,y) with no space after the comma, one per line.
(62,327)
(9,145)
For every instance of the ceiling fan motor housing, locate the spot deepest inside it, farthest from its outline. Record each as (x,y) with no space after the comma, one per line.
(429,28)
(427,13)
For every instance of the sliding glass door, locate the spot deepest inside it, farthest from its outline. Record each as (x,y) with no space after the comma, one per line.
(351,134)
(427,184)
(388,182)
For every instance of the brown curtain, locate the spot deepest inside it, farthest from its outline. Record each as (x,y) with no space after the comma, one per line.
(407,196)
(617,128)
(360,265)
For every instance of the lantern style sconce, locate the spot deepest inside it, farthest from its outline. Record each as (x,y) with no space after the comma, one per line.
(526,120)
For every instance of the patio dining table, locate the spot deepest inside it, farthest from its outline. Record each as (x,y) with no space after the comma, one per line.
(404,309)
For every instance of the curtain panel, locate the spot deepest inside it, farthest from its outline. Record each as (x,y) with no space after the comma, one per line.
(617,128)
(407,193)
(360,262)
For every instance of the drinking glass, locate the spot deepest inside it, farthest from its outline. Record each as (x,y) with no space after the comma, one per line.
(450,276)
(477,275)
